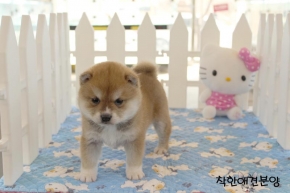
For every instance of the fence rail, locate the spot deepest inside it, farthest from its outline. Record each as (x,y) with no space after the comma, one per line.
(35,76)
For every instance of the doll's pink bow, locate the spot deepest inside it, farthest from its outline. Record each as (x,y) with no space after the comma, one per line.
(252,63)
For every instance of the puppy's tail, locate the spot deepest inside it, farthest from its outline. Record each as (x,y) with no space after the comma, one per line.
(146,68)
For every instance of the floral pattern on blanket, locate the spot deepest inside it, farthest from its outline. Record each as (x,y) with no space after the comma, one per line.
(200,152)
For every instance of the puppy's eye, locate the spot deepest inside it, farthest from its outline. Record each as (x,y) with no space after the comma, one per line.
(243,78)
(119,102)
(96,100)
(214,72)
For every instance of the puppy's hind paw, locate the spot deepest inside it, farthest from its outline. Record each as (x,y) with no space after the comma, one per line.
(160,150)
(87,175)
(134,173)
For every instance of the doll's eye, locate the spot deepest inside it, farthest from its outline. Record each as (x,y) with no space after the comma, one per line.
(214,72)
(243,78)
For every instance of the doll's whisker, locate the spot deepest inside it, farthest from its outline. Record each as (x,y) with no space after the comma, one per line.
(202,68)
(203,78)
(202,73)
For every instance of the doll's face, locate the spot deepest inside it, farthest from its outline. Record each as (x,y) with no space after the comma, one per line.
(222,70)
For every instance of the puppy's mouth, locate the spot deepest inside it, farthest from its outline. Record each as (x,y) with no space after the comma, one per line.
(94,123)
(101,124)
(120,126)
(106,123)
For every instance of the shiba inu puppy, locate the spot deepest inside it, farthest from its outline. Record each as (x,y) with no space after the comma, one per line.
(118,104)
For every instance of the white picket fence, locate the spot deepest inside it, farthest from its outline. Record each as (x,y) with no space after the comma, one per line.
(272,90)
(39,100)
(35,84)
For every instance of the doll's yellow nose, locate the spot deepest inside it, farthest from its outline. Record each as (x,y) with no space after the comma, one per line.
(228,79)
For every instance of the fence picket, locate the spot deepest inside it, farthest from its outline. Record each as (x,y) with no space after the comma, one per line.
(27,53)
(11,139)
(116,43)
(242,35)
(146,41)
(177,69)
(44,62)
(283,133)
(63,68)
(242,30)
(265,68)
(256,90)
(56,87)
(84,47)
(275,53)
(67,63)
(210,33)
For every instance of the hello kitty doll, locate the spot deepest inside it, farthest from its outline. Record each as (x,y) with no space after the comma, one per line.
(227,74)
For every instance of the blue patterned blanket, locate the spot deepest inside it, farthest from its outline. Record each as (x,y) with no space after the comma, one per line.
(204,156)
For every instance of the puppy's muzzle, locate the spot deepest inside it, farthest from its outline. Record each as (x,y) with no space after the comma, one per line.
(106,118)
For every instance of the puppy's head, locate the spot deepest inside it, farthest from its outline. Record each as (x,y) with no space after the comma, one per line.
(109,93)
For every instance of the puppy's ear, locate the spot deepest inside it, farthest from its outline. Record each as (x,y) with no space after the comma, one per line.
(132,79)
(85,77)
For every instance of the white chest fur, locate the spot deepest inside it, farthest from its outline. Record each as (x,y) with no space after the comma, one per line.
(114,138)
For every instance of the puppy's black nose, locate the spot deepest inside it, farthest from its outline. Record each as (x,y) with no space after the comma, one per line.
(106,117)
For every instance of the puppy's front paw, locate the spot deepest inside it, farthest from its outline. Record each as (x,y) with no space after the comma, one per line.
(87,175)
(134,173)
(160,150)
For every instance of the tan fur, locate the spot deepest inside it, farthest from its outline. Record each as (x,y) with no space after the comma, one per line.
(144,103)
(146,68)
